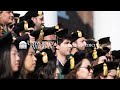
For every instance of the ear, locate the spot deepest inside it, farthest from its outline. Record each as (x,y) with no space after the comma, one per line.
(57,47)
(74,44)
(33,19)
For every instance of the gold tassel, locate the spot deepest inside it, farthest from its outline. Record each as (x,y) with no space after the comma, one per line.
(40,13)
(72,62)
(79,33)
(45,57)
(25,25)
(94,54)
(14,38)
(41,35)
(118,72)
(105,69)
(57,27)
(18,20)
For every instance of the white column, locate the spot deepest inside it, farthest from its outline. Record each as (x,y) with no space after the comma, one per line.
(107,23)
(50,18)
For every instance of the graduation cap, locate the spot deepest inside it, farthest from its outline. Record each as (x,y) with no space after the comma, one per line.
(115,54)
(101,52)
(6,40)
(45,56)
(49,30)
(31,14)
(98,53)
(106,49)
(75,35)
(104,40)
(91,44)
(22,18)
(104,67)
(38,34)
(26,38)
(43,32)
(62,33)
(21,42)
(16,14)
(17,17)
(73,60)
(23,26)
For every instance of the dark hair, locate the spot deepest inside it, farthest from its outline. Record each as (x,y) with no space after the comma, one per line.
(47,71)
(5,63)
(72,74)
(95,62)
(22,54)
(60,40)
(98,76)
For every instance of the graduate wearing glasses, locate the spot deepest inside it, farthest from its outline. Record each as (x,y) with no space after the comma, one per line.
(78,67)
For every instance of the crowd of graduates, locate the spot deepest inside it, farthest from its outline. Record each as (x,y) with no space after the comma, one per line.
(29,50)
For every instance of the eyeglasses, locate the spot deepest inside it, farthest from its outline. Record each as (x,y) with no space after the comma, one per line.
(88,68)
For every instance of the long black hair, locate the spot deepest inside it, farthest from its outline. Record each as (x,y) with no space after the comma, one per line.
(5,63)
(49,70)
(22,53)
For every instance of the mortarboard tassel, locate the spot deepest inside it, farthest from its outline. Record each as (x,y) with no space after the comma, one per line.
(105,69)
(25,25)
(40,13)
(72,62)
(18,20)
(41,35)
(94,54)
(118,72)
(45,57)
(14,38)
(79,33)
(57,27)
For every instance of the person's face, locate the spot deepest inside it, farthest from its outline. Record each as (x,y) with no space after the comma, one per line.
(39,22)
(81,43)
(30,61)
(6,17)
(111,74)
(85,71)
(65,47)
(14,59)
(50,41)
(101,59)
